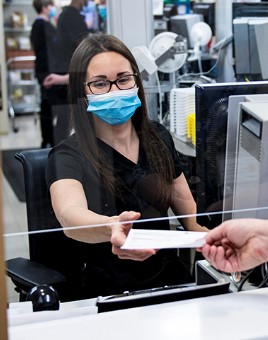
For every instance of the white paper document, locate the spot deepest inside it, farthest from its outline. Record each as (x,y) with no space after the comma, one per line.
(160,239)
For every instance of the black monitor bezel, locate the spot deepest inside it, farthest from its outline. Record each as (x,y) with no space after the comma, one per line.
(209,191)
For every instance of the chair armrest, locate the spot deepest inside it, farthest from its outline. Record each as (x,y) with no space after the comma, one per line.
(30,273)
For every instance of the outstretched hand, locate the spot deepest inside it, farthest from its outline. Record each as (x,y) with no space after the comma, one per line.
(237,245)
(119,235)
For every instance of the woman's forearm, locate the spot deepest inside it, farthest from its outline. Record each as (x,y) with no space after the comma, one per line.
(86,226)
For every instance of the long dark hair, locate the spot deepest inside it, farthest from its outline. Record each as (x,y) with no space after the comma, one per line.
(82,121)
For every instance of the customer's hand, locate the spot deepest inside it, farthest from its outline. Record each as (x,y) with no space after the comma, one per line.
(119,235)
(237,245)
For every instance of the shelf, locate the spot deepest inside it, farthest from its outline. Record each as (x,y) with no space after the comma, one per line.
(20,53)
(23,93)
(21,109)
(17,30)
(23,64)
(17,3)
(23,83)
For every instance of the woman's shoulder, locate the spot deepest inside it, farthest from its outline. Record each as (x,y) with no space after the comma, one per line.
(162,131)
(67,146)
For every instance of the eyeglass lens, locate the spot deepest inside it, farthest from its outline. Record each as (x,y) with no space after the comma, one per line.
(103,86)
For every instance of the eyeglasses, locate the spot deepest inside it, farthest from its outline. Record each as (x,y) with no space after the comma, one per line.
(102,86)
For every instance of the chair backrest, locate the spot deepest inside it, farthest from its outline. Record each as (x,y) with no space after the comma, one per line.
(39,209)
(51,248)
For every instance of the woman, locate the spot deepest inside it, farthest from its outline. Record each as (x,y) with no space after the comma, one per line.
(118,166)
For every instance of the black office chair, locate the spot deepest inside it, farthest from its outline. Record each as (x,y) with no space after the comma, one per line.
(54,259)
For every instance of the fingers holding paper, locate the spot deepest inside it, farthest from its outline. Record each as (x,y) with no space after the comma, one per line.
(237,245)
(119,236)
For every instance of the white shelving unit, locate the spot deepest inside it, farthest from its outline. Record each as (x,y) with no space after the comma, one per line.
(22,87)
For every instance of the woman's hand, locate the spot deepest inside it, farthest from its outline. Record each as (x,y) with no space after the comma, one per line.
(119,235)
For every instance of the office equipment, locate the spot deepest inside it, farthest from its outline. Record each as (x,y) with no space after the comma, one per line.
(182,104)
(207,10)
(248,162)
(182,25)
(232,140)
(249,9)
(167,53)
(205,273)
(250,49)
(245,36)
(160,295)
(211,128)
(251,182)
(169,50)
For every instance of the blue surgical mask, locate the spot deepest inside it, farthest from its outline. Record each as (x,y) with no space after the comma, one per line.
(52,12)
(115,107)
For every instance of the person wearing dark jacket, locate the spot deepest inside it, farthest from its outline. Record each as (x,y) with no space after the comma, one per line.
(43,40)
(71,28)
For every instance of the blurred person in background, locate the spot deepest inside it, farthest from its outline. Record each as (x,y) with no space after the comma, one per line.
(43,40)
(71,29)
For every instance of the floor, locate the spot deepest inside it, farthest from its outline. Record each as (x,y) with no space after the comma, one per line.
(14,216)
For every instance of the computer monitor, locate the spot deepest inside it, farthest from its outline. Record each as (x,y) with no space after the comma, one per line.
(250,48)
(207,9)
(211,129)
(249,66)
(182,25)
(249,9)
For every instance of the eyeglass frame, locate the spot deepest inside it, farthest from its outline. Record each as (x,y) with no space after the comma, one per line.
(112,82)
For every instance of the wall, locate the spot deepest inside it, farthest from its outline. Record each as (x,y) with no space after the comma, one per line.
(3,77)
(3,301)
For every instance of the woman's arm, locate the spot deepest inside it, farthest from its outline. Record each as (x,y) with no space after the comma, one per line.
(71,209)
(182,203)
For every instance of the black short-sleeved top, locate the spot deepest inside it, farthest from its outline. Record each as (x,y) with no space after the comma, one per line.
(105,273)
(43,40)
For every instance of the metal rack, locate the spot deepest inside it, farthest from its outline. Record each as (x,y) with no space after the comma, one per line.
(23,88)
